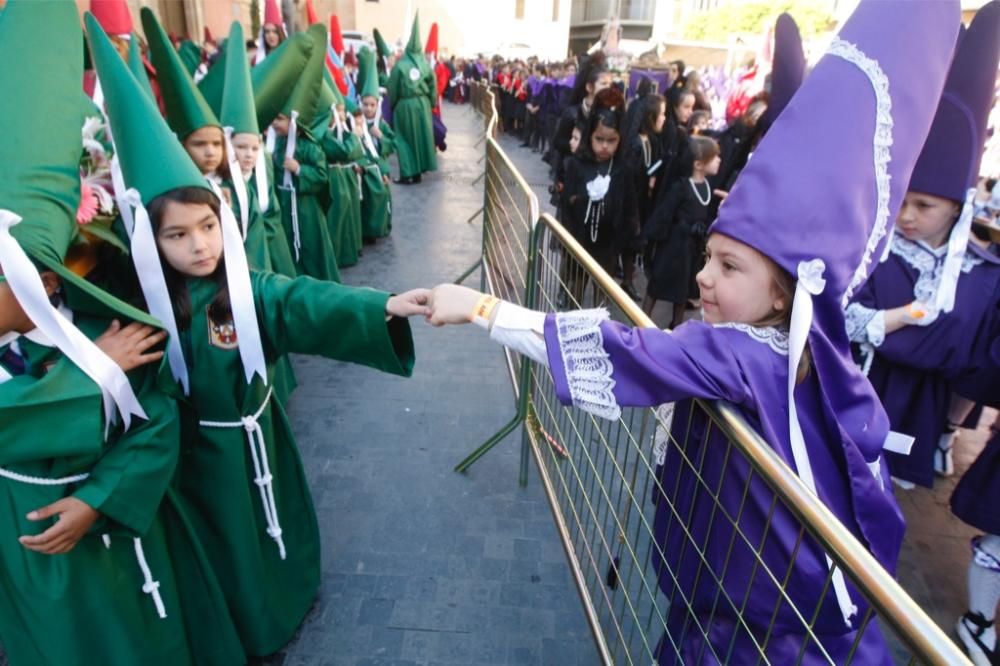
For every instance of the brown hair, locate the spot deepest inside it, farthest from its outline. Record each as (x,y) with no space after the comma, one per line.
(784,284)
(703,149)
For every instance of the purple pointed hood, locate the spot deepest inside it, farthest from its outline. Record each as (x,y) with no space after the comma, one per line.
(788,70)
(819,197)
(949,163)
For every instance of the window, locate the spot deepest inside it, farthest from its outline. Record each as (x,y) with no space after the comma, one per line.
(519,9)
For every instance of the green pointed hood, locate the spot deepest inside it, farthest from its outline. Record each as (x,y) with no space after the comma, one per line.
(380,44)
(138,67)
(152,159)
(415,45)
(212,84)
(327,97)
(187,110)
(190,54)
(367,74)
(238,109)
(274,77)
(306,93)
(40,156)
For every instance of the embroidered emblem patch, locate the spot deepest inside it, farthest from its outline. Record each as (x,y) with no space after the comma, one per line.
(222,335)
(414,74)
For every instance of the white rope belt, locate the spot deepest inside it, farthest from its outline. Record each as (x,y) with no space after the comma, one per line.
(150,586)
(262,470)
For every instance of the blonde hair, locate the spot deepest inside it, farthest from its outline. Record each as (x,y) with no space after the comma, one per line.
(784,284)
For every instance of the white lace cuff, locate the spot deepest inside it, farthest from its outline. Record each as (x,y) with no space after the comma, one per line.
(586,363)
(865,325)
(522,330)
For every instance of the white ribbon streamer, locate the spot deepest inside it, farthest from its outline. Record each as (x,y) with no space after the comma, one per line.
(26,283)
(958,242)
(146,259)
(270,138)
(241,294)
(288,182)
(239,185)
(263,187)
(810,283)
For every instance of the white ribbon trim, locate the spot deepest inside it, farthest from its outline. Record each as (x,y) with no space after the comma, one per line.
(288,182)
(262,469)
(241,294)
(270,138)
(146,259)
(26,283)
(239,185)
(958,242)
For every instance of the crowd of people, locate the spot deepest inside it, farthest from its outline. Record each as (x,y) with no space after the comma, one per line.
(649,182)
(166,241)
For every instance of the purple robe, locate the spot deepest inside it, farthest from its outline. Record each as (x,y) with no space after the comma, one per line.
(601,367)
(913,368)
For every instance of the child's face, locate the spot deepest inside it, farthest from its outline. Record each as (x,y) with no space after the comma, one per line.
(710,167)
(927,218)
(603,81)
(272,35)
(604,142)
(684,109)
(574,140)
(369,105)
(246,147)
(700,125)
(661,118)
(737,283)
(190,238)
(280,125)
(12,315)
(205,146)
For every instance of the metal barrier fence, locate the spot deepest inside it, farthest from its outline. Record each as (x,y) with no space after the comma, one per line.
(718,555)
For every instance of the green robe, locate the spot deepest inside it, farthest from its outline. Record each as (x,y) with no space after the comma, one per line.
(88,606)
(316,257)
(282,259)
(413,92)
(376,197)
(344,214)
(269,596)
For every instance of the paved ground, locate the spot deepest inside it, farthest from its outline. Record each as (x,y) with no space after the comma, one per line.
(422,565)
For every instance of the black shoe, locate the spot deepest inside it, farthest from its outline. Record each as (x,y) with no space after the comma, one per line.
(410,180)
(970,628)
(368,240)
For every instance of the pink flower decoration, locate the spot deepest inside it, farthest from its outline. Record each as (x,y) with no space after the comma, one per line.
(88,207)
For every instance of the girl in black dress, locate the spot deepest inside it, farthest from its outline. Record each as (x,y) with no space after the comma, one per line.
(677,227)
(599,189)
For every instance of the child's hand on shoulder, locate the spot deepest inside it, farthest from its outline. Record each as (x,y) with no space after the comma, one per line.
(452,304)
(129,347)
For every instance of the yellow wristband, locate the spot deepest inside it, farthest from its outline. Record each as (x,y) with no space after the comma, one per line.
(915,312)
(483,310)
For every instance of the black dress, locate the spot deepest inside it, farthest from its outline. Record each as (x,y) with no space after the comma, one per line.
(601,227)
(676,231)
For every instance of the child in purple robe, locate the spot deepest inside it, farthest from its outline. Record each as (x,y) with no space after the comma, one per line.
(920,317)
(773,343)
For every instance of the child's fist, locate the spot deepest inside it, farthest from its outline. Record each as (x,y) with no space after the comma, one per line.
(452,304)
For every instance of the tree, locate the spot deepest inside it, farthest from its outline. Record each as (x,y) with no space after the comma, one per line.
(753,18)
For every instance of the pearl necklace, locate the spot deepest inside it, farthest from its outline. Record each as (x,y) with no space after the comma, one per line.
(697,195)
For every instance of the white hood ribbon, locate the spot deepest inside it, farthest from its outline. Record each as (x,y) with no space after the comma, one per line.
(810,283)
(366,140)
(289,184)
(241,294)
(336,122)
(25,282)
(118,184)
(958,242)
(239,185)
(270,138)
(263,187)
(146,258)
(259,56)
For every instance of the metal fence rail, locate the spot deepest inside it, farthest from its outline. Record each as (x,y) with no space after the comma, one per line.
(671,518)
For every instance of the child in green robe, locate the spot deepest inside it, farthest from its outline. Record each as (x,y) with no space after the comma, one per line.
(342,148)
(240,472)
